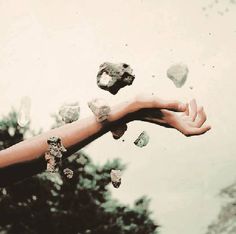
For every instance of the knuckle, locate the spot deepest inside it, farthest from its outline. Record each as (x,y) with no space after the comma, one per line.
(187,133)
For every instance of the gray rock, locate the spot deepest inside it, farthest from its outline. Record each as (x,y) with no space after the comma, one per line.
(112,77)
(55,147)
(142,140)
(51,163)
(100,109)
(115,178)
(54,154)
(69,112)
(178,74)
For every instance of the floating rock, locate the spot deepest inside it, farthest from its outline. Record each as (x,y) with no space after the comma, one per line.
(51,163)
(115,178)
(11,131)
(119,131)
(70,112)
(112,77)
(178,74)
(100,109)
(54,154)
(142,140)
(68,173)
(23,117)
(55,147)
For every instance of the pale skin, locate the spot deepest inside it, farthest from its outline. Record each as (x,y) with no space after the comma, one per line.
(27,157)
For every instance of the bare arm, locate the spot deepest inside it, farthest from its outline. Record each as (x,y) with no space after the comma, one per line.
(27,157)
(72,135)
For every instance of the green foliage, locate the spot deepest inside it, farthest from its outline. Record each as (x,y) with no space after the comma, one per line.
(226,221)
(52,203)
(10,132)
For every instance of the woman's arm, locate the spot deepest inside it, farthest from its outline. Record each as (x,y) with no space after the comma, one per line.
(72,136)
(27,157)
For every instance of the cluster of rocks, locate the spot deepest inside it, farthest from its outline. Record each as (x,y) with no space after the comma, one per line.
(53,156)
(69,113)
(111,77)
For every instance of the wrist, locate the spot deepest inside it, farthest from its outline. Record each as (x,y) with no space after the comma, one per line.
(122,111)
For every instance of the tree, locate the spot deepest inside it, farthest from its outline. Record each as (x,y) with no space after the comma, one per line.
(226,221)
(52,203)
(10,132)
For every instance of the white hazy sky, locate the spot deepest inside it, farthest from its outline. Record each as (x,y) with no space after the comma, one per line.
(51,50)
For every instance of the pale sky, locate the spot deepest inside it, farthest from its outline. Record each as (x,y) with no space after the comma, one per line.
(51,50)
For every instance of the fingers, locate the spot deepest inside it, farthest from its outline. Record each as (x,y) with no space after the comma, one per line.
(197,131)
(187,110)
(191,123)
(182,123)
(201,117)
(193,112)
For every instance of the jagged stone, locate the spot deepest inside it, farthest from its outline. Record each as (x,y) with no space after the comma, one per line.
(68,173)
(112,77)
(55,147)
(142,140)
(54,154)
(69,112)
(115,178)
(100,109)
(119,131)
(178,74)
(51,163)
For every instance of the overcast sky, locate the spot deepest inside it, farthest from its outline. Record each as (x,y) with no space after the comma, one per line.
(51,50)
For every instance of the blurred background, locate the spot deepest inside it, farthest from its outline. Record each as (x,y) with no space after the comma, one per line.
(51,51)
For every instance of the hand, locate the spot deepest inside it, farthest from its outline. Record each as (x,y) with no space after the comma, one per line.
(186,118)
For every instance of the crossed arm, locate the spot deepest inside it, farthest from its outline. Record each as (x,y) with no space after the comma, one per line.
(27,157)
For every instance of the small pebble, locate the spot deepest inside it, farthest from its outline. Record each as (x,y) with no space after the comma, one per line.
(115,178)
(119,131)
(68,173)
(142,139)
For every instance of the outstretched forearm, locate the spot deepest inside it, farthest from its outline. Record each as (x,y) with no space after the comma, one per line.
(27,157)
